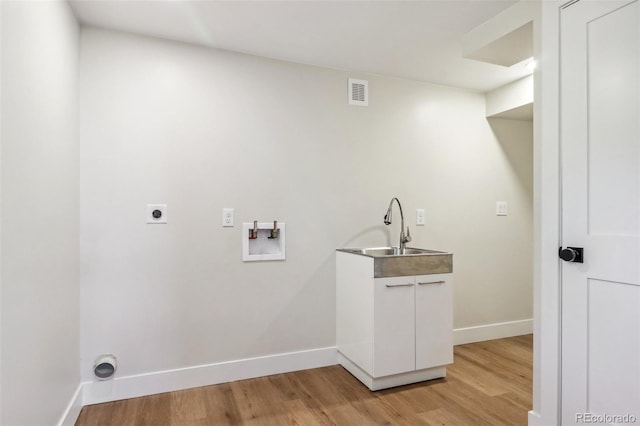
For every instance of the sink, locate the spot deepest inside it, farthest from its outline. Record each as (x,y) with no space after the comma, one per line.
(391,251)
(392,262)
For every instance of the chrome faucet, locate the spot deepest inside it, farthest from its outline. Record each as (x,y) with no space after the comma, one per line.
(404,239)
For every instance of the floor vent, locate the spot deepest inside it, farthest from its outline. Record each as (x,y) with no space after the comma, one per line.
(358,92)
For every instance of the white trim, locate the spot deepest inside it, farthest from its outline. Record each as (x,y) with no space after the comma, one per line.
(205,375)
(546,223)
(71,413)
(1,3)
(535,419)
(152,383)
(500,330)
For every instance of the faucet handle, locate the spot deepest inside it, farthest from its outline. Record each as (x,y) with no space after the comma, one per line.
(408,237)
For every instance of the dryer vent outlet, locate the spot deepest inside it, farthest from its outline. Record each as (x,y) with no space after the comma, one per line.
(105,366)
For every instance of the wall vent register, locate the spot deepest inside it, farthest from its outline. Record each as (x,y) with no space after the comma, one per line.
(358,92)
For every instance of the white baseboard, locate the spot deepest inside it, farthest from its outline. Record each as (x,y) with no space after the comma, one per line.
(535,419)
(71,413)
(204,375)
(492,331)
(96,392)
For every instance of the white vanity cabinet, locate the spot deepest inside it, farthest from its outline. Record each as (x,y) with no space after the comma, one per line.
(392,330)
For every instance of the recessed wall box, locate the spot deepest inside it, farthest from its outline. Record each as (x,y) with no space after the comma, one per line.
(267,242)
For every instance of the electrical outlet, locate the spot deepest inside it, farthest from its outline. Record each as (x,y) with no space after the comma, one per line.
(420,217)
(157,213)
(501,208)
(227,217)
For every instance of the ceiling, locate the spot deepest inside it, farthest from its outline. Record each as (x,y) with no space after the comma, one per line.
(417,40)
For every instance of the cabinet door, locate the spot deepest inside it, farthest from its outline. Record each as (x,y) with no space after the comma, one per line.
(434,320)
(394,326)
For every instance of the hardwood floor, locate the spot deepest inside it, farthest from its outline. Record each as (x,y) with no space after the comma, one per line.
(488,384)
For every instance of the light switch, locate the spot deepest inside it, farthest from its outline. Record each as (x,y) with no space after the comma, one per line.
(420,217)
(501,208)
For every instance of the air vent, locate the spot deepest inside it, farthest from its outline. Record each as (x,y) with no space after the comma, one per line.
(358,92)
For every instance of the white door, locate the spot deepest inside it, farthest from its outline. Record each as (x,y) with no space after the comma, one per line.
(600,151)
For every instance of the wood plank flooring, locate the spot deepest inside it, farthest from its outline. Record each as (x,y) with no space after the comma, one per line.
(488,384)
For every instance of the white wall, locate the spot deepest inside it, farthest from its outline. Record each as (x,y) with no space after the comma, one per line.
(512,95)
(202,129)
(39,214)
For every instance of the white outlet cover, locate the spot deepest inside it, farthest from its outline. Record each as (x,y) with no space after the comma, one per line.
(227,217)
(501,208)
(420,217)
(161,208)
